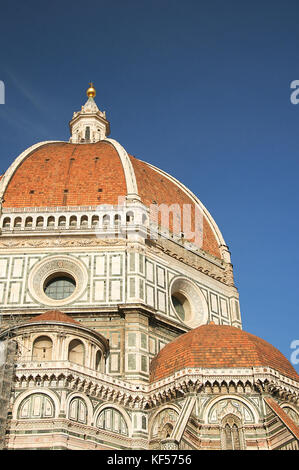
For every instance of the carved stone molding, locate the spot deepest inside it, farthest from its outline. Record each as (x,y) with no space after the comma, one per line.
(59,242)
(57,264)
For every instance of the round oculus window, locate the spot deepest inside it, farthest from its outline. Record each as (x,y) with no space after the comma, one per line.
(188,302)
(178,301)
(58,280)
(60,286)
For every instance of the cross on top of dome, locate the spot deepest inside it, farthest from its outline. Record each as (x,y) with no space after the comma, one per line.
(89,124)
(91,91)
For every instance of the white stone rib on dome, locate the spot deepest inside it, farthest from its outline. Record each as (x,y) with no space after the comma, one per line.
(132,188)
(212,223)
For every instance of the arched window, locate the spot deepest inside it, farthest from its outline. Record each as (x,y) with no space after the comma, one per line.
(40,222)
(84,221)
(231,433)
(78,410)
(98,361)
(59,286)
(228,437)
(42,349)
(6,223)
(166,431)
(51,222)
(87,133)
(130,217)
(95,220)
(76,352)
(117,219)
(164,423)
(28,222)
(112,420)
(143,422)
(106,220)
(73,221)
(36,406)
(236,437)
(18,222)
(62,221)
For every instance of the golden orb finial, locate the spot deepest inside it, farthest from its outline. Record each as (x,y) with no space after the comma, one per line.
(91,91)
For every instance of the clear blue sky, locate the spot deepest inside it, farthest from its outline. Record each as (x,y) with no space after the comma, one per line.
(200,89)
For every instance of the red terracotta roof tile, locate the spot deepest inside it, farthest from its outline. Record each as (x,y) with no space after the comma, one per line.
(155,188)
(54,315)
(283,416)
(44,177)
(64,174)
(217,346)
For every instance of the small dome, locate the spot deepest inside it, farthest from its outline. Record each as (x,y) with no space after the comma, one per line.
(216,346)
(54,315)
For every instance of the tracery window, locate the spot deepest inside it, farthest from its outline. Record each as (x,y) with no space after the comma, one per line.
(231,438)
(78,410)
(112,420)
(36,406)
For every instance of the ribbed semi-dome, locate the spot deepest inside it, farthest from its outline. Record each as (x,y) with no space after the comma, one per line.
(57,174)
(218,346)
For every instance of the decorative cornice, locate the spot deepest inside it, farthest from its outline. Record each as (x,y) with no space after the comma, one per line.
(59,242)
(142,396)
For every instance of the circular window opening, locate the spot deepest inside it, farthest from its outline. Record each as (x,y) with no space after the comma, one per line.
(181,305)
(59,286)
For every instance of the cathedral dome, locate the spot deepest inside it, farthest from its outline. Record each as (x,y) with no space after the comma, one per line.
(218,346)
(59,174)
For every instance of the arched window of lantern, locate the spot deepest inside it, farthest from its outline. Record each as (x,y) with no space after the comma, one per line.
(87,133)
